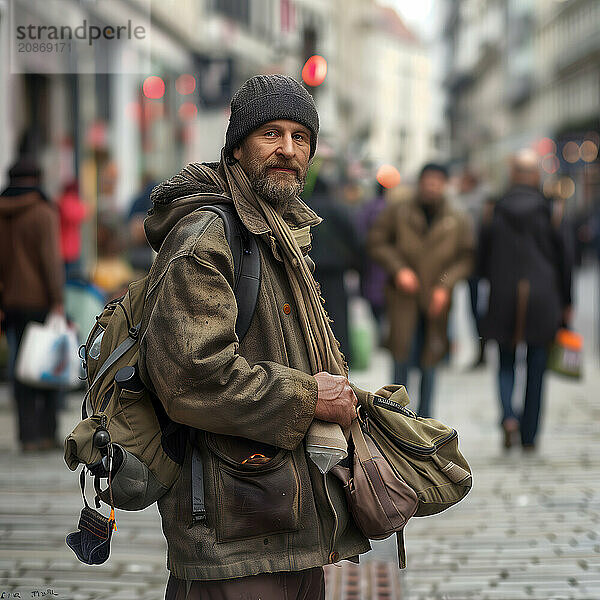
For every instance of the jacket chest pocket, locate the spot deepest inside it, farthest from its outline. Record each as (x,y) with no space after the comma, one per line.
(255,497)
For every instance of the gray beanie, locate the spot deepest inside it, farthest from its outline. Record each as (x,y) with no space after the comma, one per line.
(265,98)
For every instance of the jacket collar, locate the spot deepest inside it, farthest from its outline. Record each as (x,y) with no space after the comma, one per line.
(444,218)
(417,216)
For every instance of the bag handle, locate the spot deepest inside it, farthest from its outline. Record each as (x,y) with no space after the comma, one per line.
(358,439)
(360,446)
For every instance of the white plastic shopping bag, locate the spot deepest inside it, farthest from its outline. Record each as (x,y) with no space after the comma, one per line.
(48,355)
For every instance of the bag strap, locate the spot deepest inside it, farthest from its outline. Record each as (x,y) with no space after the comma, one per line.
(246,268)
(358,439)
(360,445)
(401,549)
(114,356)
(198,505)
(246,264)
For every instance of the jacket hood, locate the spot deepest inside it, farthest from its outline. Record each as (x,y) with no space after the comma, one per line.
(521,204)
(191,189)
(176,197)
(15,201)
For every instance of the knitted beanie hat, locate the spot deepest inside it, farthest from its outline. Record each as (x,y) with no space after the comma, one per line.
(265,98)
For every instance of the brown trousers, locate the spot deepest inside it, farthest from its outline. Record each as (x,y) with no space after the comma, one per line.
(298,585)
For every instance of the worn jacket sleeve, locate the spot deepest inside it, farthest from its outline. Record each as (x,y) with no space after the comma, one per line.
(381,241)
(464,259)
(189,352)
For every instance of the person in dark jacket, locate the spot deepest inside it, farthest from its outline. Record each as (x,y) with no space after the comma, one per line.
(335,249)
(373,276)
(31,286)
(526,259)
(140,253)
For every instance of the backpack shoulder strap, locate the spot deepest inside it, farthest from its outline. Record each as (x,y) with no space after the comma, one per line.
(246,267)
(246,264)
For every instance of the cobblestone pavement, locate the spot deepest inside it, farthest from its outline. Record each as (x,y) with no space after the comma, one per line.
(528,530)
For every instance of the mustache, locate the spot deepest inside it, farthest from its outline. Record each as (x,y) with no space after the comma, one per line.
(284,165)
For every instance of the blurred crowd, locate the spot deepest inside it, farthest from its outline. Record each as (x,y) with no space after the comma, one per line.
(387,260)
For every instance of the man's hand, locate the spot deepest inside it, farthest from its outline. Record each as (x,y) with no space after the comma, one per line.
(439,301)
(407,280)
(336,401)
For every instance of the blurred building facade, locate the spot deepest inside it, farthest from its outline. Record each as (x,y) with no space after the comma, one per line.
(95,116)
(383,90)
(526,73)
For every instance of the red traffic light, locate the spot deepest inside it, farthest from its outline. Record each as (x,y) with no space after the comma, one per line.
(314,70)
(154,87)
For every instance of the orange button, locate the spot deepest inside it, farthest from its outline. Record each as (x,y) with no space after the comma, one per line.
(287,309)
(334,557)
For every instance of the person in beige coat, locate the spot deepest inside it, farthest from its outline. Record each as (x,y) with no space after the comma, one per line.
(426,247)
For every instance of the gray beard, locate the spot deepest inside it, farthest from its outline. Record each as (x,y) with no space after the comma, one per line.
(276,193)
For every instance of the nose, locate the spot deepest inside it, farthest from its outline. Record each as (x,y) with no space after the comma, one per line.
(286,148)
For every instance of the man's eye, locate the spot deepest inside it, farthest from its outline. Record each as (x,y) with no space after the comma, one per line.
(271,133)
(300,137)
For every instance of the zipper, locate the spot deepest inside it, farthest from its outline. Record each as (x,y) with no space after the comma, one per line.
(337,520)
(414,448)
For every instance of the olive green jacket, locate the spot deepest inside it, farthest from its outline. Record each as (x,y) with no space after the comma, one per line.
(245,398)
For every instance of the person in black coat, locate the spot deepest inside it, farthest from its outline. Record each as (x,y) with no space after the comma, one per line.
(335,249)
(527,260)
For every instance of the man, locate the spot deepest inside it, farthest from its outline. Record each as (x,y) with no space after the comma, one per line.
(426,248)
(31,286)
(251,401)
(528,263)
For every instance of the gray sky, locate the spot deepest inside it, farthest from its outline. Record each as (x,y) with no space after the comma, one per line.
(420,15)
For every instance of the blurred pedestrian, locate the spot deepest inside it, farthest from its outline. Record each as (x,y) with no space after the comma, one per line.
(31,287)
(372,276)
(112,273)
(473,198)
(72,213)
(527,260)
(140,253)
(335,249)
(426,247)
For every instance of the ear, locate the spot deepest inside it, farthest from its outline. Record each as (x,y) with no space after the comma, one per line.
(237,152)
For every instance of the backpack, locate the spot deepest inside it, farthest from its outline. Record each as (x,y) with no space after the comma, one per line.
(120,414)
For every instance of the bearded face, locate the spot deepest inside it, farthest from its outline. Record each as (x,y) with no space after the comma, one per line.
(275,157)
(277,181)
